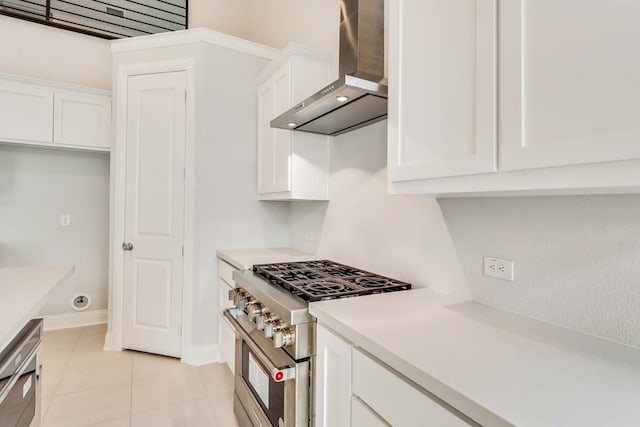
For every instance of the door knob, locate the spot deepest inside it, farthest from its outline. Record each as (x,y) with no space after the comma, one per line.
(127,246)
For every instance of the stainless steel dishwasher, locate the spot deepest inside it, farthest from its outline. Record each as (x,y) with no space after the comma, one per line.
(20,378)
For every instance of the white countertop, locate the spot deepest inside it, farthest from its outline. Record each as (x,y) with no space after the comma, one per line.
(23,291)
(244,259)
(494,366)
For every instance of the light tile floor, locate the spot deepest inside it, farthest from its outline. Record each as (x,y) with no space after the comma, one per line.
(85,386)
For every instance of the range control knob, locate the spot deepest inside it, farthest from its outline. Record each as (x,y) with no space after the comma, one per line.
(264,318)
(244,301)
(254,310)
(284,337)
(238,294)
(270,328)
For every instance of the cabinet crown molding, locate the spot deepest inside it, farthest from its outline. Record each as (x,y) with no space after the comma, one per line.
(52,84)
(195,35)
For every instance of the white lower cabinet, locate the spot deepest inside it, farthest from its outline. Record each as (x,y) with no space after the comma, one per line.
(354,389)
(227,337)
(333,380)
(395,400)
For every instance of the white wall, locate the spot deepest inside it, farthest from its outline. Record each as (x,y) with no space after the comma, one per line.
(43,52)
(36,186)
(312,23)
(228,213)
(577,258)
(226,16)
(404,237)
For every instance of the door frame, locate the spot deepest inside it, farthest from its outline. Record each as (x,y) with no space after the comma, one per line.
(113,340)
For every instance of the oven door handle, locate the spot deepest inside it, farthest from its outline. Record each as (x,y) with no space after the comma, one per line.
(19,372)
(279,374)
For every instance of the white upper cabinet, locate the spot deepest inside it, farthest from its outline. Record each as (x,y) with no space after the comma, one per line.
(38,112)
(274,145)
(82,119)
(442,88)
(570,82)
(291,165)
(26,112)
(562,119)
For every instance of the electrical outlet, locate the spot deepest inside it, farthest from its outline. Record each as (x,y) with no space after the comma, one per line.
(499,268)
(308,236)
(65,220)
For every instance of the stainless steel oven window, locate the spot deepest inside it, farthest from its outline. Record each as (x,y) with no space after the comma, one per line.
(272,403)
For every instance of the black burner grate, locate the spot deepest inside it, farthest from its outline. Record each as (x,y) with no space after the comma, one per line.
(320,280)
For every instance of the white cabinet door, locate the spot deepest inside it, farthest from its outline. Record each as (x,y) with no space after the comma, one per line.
(333,380)
(363,416)
(154,212)
(442,88)
(26,112)
(570,82)
(274,145)
(82,119)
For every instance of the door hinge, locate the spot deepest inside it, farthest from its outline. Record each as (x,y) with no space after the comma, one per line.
(182,250)
(185,96)
(184,173)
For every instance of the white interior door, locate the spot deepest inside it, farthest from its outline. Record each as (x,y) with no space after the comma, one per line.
(154,217)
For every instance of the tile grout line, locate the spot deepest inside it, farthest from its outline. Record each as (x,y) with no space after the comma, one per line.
(64,369)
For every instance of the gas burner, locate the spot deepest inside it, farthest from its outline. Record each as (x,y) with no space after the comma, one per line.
(320,280)
(372,281)
(343,272)
(296,275)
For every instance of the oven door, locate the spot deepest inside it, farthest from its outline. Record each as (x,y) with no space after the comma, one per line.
(271,388)
(20,379)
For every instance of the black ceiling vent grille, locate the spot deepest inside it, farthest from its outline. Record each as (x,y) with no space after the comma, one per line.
(107,18)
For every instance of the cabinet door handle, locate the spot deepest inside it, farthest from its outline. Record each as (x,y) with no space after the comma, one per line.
(127,246)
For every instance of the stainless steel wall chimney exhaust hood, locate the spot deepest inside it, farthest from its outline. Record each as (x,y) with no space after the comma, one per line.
(359,97)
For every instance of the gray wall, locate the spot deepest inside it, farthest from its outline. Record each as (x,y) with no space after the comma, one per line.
(401,236)
(36,186)
(577,259)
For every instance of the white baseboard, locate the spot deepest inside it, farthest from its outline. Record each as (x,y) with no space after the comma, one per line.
(201,355)
(109,344)
(74,320)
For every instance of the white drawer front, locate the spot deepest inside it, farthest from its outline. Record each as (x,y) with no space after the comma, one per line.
(398,402)
(225,271)
(224,295)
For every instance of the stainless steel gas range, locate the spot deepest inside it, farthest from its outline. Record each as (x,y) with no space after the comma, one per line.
(276,335)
